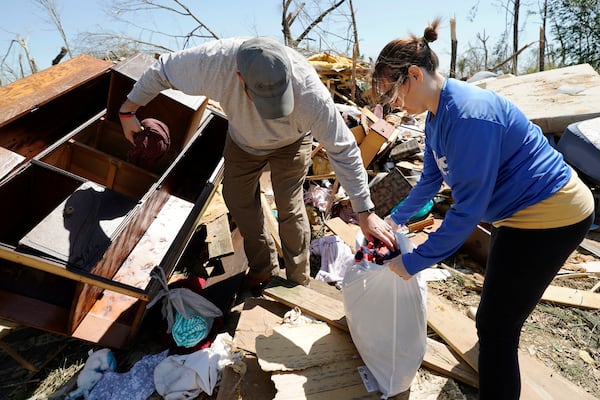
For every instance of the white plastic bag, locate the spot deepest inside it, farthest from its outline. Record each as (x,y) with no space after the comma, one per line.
(187,305)
(387,317)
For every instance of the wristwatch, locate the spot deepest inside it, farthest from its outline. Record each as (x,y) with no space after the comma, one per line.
(370,211)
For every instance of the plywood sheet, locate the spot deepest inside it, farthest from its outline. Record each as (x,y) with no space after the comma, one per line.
(309,302)
(339,380)
(257,317)
(330,378)
(295,347)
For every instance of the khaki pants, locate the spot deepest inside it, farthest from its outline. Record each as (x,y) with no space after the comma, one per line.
(241,191)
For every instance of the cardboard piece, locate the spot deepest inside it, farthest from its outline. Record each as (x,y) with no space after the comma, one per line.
(380,134)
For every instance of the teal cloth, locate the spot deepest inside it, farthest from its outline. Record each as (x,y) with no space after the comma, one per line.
(419,214)
(188,332)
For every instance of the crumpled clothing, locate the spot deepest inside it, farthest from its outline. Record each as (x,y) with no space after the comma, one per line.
(188,332)
(136,384)
(98,363)
(336,256)
(185,376)
(150,144)
(317,196)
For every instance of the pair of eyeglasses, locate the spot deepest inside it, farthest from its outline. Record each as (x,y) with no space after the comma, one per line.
(391,95)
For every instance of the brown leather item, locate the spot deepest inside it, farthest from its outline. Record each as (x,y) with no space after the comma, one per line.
(150,144)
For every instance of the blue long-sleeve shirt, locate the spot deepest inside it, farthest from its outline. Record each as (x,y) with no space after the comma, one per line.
(493,158)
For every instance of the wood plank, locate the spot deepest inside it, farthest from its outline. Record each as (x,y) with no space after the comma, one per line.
(20,97)
(234,265)
(308,301)
(46,265)
(216,206)
(329,309)
(439,357)
(458,330)
(218,237)
(572,297)
(454,328)
(552,99)
(591,245)
(33,313)
(17,357)
(346,232)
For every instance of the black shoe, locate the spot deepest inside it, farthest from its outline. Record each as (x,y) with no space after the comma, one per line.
(255,284)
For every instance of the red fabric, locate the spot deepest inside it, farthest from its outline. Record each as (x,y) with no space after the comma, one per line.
(150,144)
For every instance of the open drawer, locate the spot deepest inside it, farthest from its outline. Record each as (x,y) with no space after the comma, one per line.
(83,227)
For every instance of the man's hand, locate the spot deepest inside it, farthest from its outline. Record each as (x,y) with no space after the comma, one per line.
(129,121)
(374,227)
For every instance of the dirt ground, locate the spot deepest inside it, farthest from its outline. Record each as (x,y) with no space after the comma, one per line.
(567,339)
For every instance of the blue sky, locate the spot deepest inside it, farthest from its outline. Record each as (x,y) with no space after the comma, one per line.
(378,21)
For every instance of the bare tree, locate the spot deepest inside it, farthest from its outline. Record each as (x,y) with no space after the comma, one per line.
(33,67)
(454,46)
(127,10)
(49,6)
(515,24)
(355,51)
(542,55)
(483,38)
(289,17)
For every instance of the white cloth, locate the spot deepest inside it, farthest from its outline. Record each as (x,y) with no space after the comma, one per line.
(336,256)
(180,377)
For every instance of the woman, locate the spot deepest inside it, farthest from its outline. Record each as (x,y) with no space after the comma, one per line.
(501,170)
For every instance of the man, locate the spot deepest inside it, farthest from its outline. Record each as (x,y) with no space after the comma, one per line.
(275,102)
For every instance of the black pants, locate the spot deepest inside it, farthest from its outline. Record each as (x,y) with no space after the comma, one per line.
(521,264)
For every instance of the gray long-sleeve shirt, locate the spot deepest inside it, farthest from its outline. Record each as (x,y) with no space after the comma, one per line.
(210,70)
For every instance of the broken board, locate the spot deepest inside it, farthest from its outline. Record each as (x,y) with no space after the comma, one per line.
(458,330)
(438,356)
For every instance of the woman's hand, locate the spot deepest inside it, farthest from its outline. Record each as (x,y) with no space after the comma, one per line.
(397,267)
